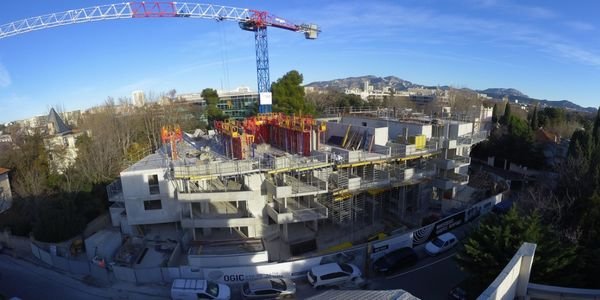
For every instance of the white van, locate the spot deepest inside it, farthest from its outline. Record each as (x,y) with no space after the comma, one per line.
(188,289)
(332,274)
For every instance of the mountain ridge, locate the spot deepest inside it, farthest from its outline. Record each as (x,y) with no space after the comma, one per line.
(357,82)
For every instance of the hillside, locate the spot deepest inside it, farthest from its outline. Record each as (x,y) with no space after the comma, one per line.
(398,84)
(358,83)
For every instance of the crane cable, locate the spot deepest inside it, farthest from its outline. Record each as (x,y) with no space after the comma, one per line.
(224,58)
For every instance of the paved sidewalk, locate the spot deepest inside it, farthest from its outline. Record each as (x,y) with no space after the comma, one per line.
(115,290)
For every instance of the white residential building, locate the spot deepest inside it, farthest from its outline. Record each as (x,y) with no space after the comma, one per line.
(138,98)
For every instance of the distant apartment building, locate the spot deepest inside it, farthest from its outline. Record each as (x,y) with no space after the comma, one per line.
(5,193)
(138,98)
(239,103)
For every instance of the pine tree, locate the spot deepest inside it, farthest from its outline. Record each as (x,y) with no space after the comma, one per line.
(491,246)
(596,130)
(506,117)
(288,95)
(495,114)
(534,119)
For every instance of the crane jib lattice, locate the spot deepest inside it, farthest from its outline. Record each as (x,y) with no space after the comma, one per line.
(251,20)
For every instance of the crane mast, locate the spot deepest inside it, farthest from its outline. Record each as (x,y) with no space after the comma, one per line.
(250,20)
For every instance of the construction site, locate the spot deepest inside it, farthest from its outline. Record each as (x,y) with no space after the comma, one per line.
(296,184)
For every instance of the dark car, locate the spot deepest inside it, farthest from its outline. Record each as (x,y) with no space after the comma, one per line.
(503,207)
(395,260)
(468,289)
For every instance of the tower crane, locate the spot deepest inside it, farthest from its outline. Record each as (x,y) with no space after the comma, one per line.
(248,19)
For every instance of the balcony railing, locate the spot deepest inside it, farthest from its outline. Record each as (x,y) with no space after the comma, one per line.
(294,214)
(458,178)
(115,191)
(459,159)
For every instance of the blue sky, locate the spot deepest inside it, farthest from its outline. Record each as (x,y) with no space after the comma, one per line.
(546,49)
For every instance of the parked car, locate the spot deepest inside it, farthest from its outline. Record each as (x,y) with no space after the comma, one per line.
(441,243)
(468,289)
(333,274)
(269,289)
(503,207)
(395,260)
(184,289)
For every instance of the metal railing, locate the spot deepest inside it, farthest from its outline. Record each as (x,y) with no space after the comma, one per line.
(540,291)
(461,159)
(115,191)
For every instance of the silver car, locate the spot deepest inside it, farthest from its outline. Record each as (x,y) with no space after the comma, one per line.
(275,288)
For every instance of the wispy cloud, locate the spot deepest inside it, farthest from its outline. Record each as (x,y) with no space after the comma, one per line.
(530,11)
(349,20)
(5,79)
(579,25)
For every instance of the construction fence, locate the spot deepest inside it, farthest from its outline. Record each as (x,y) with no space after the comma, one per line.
(292,269)
(69,264)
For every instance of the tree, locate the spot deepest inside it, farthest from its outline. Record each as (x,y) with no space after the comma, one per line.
(288,95)
(596,129)
(495,113)
(491,246)
(30,163)
(213,113)
(506,117)
(534,119)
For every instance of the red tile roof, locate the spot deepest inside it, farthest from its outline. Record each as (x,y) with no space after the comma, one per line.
(3,170)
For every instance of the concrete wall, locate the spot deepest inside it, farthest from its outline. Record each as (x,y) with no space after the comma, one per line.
(512,282)
(63,263)
(381,135)
(459,129)
(124,274)
(216,196)
(148,275)
(217,261)
(115,215)
(136,190)
(395,128)
(380,248)
(104,244)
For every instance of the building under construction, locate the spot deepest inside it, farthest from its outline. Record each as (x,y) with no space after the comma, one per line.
(298,183)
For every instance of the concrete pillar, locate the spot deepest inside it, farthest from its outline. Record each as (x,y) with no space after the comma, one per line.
(285,233)
(528,252)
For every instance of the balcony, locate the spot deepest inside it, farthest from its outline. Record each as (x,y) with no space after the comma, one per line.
(443,183)
(288,186)
(453,162)
(215,196)
(115,191)
(446,164)
(220,214)
(461,160)
(458,178)
(296,212)
(449,180)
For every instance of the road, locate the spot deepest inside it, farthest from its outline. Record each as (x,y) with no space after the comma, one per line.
(432,278)
(20,278)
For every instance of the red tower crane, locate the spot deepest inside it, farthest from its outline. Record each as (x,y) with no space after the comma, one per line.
(251,20)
